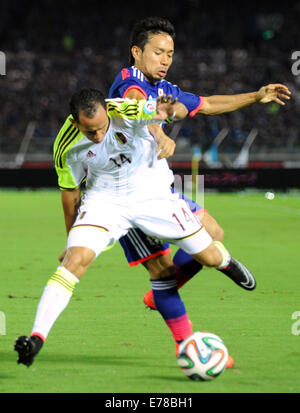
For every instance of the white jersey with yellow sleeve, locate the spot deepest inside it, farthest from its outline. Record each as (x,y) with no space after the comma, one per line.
(123,189)
(123,164)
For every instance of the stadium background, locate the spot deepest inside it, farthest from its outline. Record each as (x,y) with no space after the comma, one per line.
(53,48)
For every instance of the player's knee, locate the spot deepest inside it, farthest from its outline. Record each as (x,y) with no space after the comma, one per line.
(77,260)
(160,267)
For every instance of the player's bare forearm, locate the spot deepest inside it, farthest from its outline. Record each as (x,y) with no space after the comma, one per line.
(218,104)
(165,145)
(70,203)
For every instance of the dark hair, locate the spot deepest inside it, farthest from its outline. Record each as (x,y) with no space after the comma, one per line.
(141,30)
(87,101)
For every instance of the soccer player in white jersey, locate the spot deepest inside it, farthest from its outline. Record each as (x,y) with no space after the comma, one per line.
(117,151)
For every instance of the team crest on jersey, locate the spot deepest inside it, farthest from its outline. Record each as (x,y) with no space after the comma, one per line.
(149,107)
(120,137)
(160,92)
(90,154)
(125,73)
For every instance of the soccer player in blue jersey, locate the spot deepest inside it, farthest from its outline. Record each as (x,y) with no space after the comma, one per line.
(151,55)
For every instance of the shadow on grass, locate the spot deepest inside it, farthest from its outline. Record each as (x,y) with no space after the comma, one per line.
(79,360)
(166,378)
(95,360)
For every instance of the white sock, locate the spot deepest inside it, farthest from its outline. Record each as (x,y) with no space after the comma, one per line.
(54,300)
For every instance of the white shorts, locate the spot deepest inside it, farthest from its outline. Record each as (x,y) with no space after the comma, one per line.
(101,221)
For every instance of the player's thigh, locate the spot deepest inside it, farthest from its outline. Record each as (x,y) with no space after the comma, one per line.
(166,218)
(97,226)
(198,245)
(211,225)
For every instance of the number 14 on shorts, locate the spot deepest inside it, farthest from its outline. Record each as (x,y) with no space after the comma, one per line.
(184,218)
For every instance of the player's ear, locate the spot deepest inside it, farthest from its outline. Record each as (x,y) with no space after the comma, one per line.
(136,52)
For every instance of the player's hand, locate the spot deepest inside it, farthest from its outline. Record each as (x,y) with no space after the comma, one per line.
(273,92)
(62,256)
(165,107)
(166,146)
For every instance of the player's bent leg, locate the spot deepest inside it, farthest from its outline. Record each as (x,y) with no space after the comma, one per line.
(54,300)
(60,287)
(185,265)
(214,254)
(171,308)
(229,266)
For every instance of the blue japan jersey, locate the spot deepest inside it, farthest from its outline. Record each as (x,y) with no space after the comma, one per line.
(132,78)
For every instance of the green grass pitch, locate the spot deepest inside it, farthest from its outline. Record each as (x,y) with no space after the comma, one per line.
(107,342)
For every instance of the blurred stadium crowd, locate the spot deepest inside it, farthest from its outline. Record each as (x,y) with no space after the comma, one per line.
(54,48)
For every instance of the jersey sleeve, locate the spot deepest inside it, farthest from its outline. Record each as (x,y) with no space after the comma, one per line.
(125,81)
(71,175)
(138,111)
(192,102)
(70,171)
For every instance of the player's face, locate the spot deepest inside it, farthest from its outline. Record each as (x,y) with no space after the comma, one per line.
(156,58)
(96,127)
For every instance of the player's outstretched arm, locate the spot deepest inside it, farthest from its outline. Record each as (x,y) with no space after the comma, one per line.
(218,104)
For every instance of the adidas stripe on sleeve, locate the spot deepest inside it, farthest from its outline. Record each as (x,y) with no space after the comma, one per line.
(70,173)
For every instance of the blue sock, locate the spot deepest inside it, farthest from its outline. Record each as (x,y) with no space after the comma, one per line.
(171,307)
(186,264)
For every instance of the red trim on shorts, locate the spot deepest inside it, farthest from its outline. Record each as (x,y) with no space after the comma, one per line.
(137,88)
(156,254)
(193,112)
(39,335)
